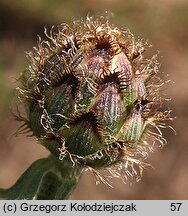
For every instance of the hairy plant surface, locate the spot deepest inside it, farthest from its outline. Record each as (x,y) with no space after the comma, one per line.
(92,99)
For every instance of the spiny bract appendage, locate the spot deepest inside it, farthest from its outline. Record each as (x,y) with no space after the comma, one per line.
(91,96)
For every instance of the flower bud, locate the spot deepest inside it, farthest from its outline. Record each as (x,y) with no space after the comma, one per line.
(91,96)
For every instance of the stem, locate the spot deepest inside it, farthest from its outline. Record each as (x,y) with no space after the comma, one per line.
(47,178)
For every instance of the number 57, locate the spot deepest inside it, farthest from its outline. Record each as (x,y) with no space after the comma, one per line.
(175,206)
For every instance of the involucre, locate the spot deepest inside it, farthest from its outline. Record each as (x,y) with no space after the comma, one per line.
(92,99)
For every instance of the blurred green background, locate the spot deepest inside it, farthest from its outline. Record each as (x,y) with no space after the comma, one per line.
(164,23)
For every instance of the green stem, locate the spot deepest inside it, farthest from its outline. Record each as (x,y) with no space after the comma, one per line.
(47,178)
